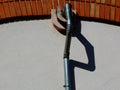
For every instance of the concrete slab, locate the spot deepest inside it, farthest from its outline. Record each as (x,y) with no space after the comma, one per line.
(31,56)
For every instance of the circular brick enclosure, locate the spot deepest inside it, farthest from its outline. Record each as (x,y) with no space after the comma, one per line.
(98,9)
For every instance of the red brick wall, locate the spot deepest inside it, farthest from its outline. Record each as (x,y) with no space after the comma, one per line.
(103,9)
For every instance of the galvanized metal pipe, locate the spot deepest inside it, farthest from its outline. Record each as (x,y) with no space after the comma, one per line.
(67,74)
(68,15)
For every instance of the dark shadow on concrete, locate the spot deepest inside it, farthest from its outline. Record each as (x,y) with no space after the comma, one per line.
(90,66)
(100,20)
(41,17)
(24,18)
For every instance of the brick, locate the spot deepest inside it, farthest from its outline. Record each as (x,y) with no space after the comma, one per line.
(92,10)
(102,11)
(97,11)
(107,12)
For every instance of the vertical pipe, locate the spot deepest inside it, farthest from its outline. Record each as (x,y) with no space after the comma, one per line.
(67,74)
(68,15)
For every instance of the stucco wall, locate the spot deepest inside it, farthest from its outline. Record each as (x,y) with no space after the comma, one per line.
(31,56)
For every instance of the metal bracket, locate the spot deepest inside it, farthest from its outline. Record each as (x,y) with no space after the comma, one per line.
(59,20)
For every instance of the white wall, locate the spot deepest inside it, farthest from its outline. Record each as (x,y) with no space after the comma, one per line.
(31,56)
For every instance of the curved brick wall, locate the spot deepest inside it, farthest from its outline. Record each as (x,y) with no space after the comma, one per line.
(100,9)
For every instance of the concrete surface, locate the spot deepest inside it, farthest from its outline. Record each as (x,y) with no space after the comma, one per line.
(31,56)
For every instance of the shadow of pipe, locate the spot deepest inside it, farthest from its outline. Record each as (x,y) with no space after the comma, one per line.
(90,66)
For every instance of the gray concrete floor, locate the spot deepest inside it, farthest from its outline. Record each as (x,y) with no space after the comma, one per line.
(31,56)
